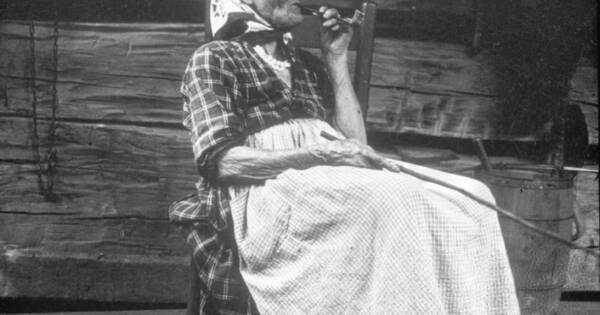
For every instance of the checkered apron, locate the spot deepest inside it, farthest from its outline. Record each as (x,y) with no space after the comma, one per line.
(347,240)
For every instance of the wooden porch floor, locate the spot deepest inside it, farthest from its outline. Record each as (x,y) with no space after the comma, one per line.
(565,308)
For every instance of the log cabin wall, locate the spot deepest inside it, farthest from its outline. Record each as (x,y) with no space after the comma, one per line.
(122,155)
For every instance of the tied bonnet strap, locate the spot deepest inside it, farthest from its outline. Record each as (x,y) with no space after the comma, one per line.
(231,19)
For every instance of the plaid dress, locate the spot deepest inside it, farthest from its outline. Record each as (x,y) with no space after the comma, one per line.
(229,93)
(326,240)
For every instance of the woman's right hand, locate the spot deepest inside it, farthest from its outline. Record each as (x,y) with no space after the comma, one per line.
(335,37)
(350,152)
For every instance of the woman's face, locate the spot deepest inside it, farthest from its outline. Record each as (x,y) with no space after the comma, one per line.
(282,14)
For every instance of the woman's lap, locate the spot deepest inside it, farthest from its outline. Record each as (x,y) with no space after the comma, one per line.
(328,221)
(321,197)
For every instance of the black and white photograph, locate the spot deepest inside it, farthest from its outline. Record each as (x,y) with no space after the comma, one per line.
(301,157)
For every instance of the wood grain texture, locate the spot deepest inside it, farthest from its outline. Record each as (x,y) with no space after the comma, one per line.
(107,237)
(82,276)
(131,72)
(449,115)
(140,169)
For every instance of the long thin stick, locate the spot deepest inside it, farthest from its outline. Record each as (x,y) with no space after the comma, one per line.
(486,203)
(544,167)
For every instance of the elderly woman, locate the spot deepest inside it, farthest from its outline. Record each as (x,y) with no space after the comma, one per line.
(286,222)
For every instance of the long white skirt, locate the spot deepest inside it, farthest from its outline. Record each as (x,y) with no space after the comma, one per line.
(347,240)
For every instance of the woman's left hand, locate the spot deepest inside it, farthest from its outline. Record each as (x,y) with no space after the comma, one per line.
(335,37)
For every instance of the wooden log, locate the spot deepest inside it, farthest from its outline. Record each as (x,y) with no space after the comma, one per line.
(132,278)
(131,72)
(97,236)
(113,183)
(149,166)
(450,115)
(139,50)
(108,230)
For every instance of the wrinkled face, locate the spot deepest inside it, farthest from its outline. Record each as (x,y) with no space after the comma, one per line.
(282,14)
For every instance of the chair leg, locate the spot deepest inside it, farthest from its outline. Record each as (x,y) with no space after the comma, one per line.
(194,290)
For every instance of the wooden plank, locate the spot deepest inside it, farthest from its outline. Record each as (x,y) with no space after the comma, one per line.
(131,72)
(114,185)
(432,67)
(128,170)
(564,308)
(108,230)
(161,51)
(449,115)
(391,109)
(129,278)
(128,312)
(97,236)
(117,51)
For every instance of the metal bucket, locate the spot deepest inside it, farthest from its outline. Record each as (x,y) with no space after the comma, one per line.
(539,264)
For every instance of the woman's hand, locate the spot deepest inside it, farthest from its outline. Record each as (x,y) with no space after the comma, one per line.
(335,37)
(242,164)
(351,153)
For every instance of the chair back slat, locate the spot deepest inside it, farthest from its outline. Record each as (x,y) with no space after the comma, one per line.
(364,56)
(207,28)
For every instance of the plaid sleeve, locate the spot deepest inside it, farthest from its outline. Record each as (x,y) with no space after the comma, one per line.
(209,91)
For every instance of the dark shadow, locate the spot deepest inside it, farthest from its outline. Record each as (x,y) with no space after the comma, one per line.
(581,296)
(35,305)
